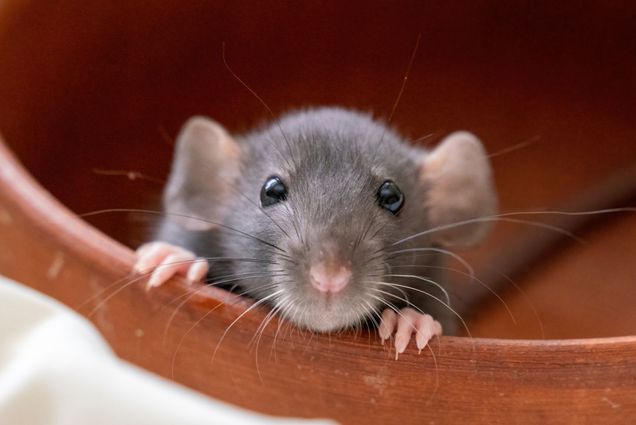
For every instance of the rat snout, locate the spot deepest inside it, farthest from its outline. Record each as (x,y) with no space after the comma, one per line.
(329,277)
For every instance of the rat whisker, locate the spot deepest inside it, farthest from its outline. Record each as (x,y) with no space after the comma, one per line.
(405,300)
(294,223)
(420,311)
(481,282)
(490,219)
(457,257)
(191,294)
(429,266)
(384,302)
(431,296)
(503,217)
(252,307)
(285,302)
(103,290)
(397,285)
(515,147)
(112,294)
(183,337)
(428,345)
(258,334)
(367,316)
(424,138)
(144,276)
(406,297)
(363,235)
(524,294)
(262,102)
(376,255)
(220,280)
(431,281)
(403,86)
(397,311)
(364,314)
(131,175)
(471,274)
(374,312)
(136,277)
(289,314)
(164,213)
(261,327)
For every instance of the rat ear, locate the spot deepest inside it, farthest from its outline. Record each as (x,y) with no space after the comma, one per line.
(459,186)
(206,162)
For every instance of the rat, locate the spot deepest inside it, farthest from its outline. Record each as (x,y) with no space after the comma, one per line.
(328,215)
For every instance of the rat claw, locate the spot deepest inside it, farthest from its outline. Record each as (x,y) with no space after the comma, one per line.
(405,327)
(387,324)
(404,323)
(424,331)
(401,342)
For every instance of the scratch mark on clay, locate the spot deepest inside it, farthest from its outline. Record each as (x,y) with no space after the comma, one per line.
(5,217)
(55,267)
(378,382)
(611,403)
(139,333)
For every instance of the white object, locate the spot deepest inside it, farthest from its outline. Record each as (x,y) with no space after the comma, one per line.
(55,368)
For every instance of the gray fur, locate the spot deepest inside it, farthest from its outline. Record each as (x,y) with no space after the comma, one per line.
(332,161)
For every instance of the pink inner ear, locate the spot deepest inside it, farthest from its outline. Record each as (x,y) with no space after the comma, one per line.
(458,176)
(206,162)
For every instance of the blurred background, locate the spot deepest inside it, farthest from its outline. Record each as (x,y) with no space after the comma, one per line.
(88,90)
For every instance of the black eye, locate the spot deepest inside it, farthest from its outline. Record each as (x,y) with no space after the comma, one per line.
(390,197)
(273,191)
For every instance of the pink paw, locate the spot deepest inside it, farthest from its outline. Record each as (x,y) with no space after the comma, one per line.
(404,323)
(164,261)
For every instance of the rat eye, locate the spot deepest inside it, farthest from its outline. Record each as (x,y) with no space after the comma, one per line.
(390,197)
(273,191)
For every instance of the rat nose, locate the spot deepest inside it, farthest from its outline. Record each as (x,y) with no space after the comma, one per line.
(329,277)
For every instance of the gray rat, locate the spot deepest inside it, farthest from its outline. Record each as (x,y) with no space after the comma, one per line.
(327,215)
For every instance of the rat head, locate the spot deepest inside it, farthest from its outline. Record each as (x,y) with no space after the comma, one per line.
(313,205)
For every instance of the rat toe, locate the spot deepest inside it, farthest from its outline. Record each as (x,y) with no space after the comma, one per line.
(171,265)
(387,324)
(405,327)
(198,270)
(152,254)
(427,328)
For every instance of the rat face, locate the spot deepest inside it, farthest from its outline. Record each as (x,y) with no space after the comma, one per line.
(323,195)
(331,202)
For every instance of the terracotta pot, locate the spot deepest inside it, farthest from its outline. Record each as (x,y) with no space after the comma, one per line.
(91,89)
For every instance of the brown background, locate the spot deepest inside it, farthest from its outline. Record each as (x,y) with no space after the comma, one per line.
(107,86)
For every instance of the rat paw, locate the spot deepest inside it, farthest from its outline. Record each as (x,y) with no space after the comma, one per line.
(164,261)
(404,323)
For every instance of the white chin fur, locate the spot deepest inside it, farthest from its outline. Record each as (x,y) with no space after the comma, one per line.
(323,321)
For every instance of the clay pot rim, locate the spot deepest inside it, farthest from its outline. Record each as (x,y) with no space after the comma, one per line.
(92,247)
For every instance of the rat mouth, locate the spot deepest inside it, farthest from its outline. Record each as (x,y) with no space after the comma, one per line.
(326,323)
(324,314)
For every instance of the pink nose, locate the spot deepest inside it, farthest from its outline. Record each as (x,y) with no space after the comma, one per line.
(329,278)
